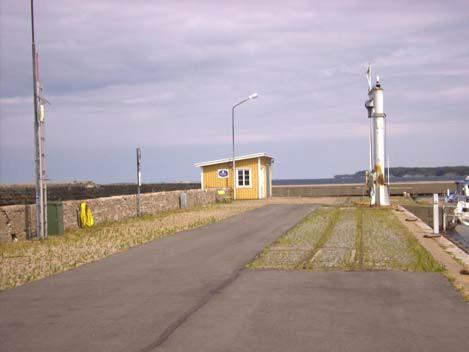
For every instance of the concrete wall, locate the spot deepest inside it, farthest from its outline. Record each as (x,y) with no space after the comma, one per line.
(417,188)
(25,194)
(318,191)
(425,213)
(19,220)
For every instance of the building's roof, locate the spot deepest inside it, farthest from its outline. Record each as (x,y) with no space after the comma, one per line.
(227,160)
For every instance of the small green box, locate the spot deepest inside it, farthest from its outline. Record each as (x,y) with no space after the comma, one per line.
(55,218)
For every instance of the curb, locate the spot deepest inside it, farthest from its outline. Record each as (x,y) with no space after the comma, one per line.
(443,250)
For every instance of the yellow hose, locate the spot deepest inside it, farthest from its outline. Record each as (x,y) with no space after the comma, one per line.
(86,217)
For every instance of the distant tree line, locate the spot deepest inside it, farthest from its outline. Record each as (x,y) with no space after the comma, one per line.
(417,172)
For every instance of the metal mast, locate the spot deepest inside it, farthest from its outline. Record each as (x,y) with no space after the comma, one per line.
(39,142)
(376,177)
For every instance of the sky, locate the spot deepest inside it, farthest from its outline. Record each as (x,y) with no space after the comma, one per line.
(164,75)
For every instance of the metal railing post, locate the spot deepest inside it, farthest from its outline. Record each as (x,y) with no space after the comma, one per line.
(436,219)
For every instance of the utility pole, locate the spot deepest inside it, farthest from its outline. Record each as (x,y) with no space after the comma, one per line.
(39,143)
(139,178)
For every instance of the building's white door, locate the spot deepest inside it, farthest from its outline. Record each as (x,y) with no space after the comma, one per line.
(269,181)
(262,182)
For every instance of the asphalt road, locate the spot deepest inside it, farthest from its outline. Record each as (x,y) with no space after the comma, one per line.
(191,292)
(280,311)
(134,300)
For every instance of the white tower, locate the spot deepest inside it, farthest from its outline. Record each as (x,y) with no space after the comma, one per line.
(376,178)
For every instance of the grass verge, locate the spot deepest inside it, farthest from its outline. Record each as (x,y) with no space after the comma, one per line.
(358,263)
(423,260)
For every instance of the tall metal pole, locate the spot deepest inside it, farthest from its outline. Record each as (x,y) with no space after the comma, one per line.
(379,190)
(234,162)
(370,128)
(139,179)
(252,96)
(40,233)
(370,138)
(44,176)
(42,143)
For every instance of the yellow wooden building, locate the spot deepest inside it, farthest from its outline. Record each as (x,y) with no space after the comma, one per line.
(253,175)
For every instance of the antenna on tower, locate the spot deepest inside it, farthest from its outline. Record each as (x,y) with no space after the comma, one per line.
(368,77)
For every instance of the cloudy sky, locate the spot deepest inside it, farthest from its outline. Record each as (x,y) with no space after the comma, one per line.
(164,75)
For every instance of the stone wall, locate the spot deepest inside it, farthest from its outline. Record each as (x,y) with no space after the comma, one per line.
(19,220)
(25,194)
(348,190)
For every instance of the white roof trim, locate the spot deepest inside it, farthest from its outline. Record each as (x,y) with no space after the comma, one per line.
(227,160)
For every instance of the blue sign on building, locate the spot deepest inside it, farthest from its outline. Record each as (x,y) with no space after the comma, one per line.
(222,173)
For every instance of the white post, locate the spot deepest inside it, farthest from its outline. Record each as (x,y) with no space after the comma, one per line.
(436,219)
(444,219)
(139,178)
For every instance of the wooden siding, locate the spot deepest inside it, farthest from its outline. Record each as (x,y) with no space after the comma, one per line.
(211,179)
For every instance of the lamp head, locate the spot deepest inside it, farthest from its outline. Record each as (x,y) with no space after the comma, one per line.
(253,96)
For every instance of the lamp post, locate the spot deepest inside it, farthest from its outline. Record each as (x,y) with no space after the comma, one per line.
(252,96)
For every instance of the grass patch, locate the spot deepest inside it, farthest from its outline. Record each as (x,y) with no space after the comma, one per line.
(424,260)
(358,263)
(346,238)
(291,249)
(323,239)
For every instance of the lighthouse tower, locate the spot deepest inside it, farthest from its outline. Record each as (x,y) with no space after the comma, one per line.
(376,177)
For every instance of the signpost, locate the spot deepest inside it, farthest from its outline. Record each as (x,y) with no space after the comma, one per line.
(139,178)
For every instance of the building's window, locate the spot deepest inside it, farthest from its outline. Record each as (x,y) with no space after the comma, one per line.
(244,177)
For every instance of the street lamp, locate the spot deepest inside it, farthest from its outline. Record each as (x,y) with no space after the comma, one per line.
(252,96)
